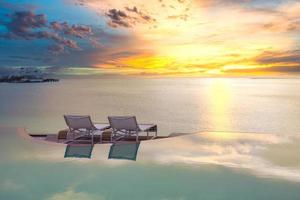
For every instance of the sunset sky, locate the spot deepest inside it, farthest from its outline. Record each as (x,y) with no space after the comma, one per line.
(153,37)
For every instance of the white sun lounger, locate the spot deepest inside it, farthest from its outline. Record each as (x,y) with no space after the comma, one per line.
(123,126)
(82,125)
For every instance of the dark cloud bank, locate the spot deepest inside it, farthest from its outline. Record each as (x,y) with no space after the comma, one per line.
(30,26)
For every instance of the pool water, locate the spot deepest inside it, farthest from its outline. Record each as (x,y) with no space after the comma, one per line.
(198,169)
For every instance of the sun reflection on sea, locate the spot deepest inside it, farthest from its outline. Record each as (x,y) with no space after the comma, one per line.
(219,104)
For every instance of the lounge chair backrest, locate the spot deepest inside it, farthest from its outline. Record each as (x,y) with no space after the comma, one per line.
(128,123)
(76,122)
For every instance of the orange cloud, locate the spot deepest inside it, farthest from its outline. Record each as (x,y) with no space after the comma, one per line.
(204,37)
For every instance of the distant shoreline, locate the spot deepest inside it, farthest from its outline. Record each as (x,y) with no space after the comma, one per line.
(24,79)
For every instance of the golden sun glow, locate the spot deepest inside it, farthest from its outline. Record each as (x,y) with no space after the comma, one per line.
(197,38)
(220,91)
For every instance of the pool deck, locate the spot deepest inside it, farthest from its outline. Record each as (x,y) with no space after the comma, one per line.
(106,136)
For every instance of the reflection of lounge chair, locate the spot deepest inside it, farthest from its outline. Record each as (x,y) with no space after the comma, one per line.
(126,151)
(82,125)
(79,150)
(123,126)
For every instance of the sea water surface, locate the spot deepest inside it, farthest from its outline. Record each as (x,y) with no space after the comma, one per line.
(247,147)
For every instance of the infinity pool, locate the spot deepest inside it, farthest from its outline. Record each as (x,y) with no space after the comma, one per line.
(207,165)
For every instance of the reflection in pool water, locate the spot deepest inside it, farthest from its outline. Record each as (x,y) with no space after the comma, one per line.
(198,166)
(79,150)
(124,150)
(119,150)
